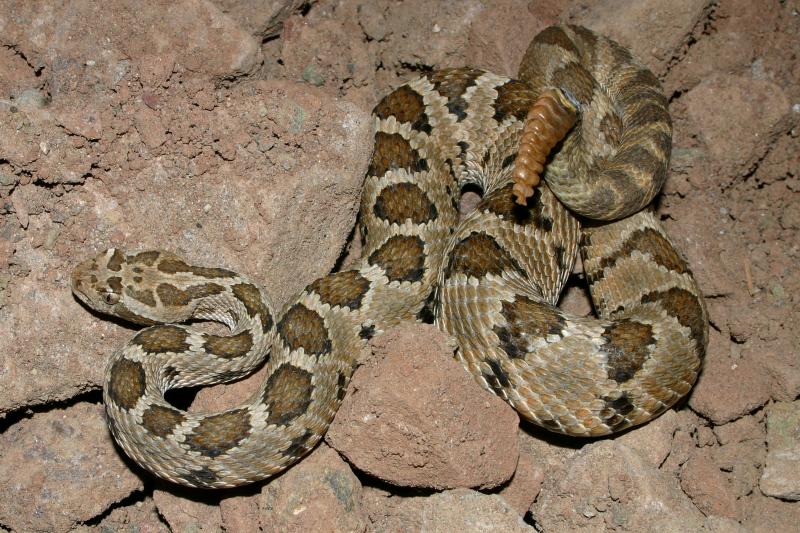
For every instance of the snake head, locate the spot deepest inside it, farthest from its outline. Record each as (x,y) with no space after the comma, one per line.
(98,283)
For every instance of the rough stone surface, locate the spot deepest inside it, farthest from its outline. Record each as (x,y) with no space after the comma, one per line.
(50,462)
(262,19)
(781,476)
(661,32)
(708,486)
(523,488)
(451,510)
(414,417)
(759,104)
(319,494)
(608,485)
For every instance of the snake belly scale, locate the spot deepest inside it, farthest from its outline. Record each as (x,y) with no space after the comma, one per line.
(492,281)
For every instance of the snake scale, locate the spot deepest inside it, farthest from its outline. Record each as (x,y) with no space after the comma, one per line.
(491,281)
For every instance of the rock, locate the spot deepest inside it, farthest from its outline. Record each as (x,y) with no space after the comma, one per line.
(728,388)
(781,475)
(414,417)
(770,515)
(261,19)
(140,517)
(708,487)
(655,31)
(524,486)
(320,493)
(188,510)
(760,105)
(72,472)
(499,37)
(609,486)
(741,430)
(195,33)
(653,440)
(451,510)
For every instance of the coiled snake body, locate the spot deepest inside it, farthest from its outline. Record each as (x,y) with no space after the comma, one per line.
(492,281)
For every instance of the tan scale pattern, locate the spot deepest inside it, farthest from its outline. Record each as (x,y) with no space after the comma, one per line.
(499,276)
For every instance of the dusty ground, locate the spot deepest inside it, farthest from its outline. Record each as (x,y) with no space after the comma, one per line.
(237,133)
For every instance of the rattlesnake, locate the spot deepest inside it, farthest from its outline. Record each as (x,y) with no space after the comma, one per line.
(491,281)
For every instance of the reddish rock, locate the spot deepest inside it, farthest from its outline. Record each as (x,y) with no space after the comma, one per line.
(262,19)
(191,513)
(524,486)
(60,468)
(653,440)
(759,104)
(781,475)
(140,517)
(608,486)
(708,487)
(451,510)
(320,493)
(414,417)
(728,388)
(655,31)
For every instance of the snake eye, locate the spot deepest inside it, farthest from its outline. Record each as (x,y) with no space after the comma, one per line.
(111,298)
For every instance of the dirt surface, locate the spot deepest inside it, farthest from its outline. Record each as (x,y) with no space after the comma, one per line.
(238,134)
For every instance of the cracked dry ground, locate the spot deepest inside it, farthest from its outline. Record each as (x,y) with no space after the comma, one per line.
(238,133)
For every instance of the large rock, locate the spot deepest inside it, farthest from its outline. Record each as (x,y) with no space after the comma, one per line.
(320,493)
(609,486)
(60,468)
(452,510)
(414,417)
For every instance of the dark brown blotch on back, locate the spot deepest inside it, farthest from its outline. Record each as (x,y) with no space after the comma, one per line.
(172,296)
(614,411)
(393,152)
(555,36)
(402,257)
(627,344)
(172,265)
(404,201)
(503,204)
(342,289)
(144,296)
(253,303)
(216,434)
(576,80)
(497,378)
(146,258)
(115,263)
(287,394)
(452,84)
(479,254)
(406,105)
(300,445)
(127,383)
(115,283)
(162,339)
(527,320)
(161,421)
(514,98)
(228,347)
(588,37)
(649,242)
(687,309)
(205,477)
(301,327)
